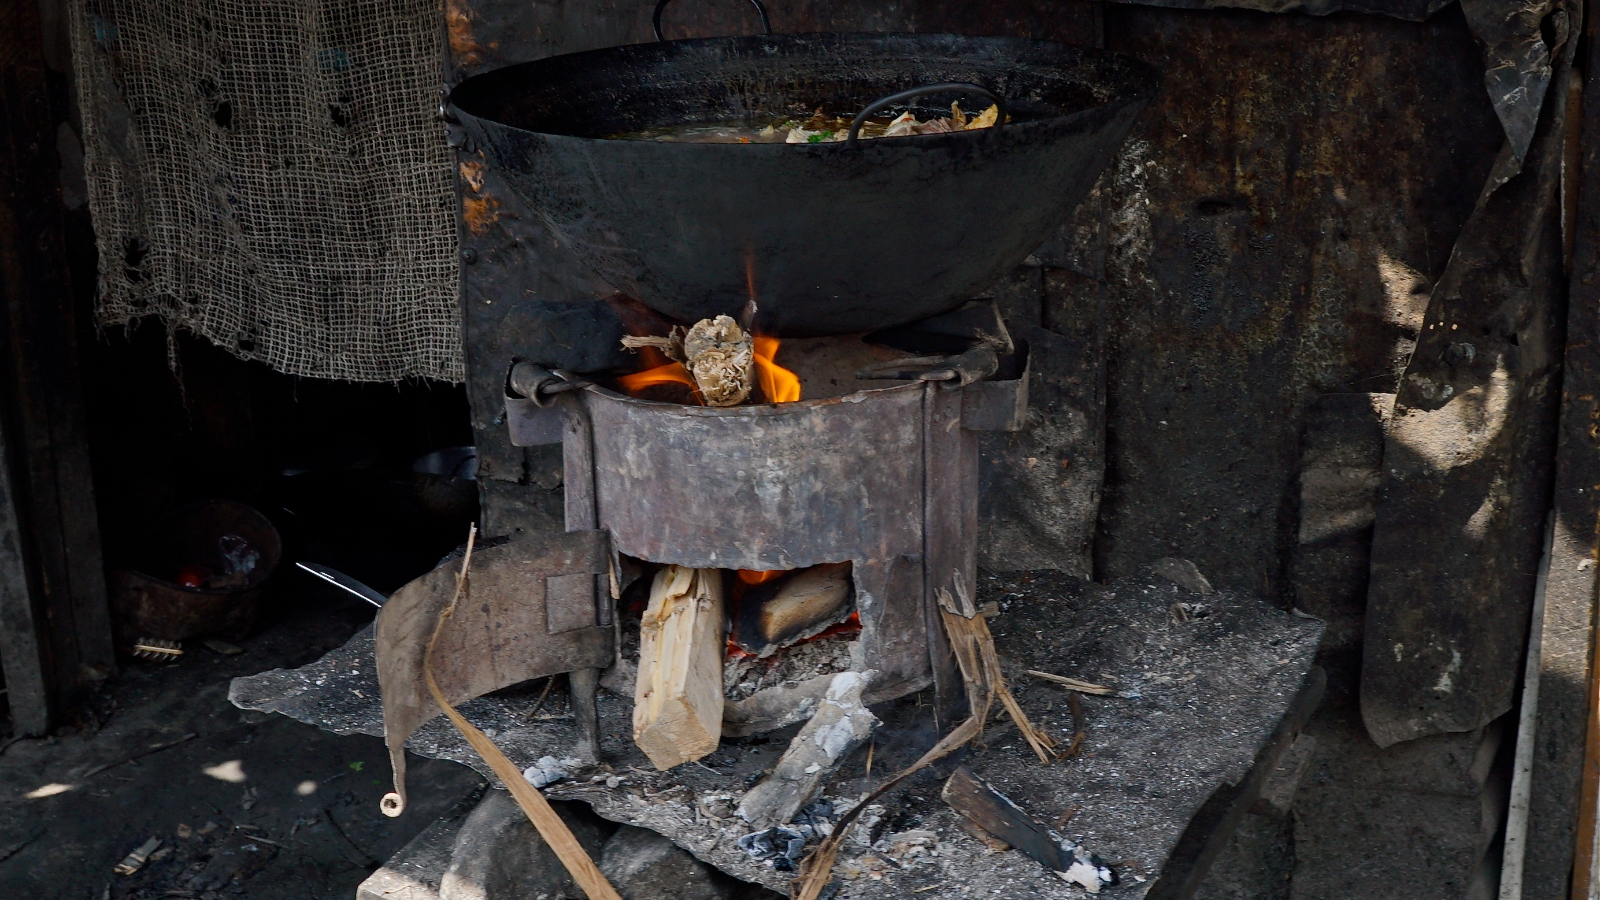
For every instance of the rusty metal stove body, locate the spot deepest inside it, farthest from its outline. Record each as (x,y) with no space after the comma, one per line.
(884,478)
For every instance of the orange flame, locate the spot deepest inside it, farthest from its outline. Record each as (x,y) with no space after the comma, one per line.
(661,371)
(758,576)
(671,373)
(779,384)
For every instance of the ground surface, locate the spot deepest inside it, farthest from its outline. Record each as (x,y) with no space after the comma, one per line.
(273,809)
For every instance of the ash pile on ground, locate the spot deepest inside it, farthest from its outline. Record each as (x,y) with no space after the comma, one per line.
(1201,683)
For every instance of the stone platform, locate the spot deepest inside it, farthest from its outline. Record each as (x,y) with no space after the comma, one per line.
(1210,689)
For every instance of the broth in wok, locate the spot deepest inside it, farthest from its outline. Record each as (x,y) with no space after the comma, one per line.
(818,129)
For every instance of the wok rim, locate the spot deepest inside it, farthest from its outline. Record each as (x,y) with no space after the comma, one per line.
(1140,80)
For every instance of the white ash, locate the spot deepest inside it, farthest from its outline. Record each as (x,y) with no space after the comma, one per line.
(549,770)
(744,676)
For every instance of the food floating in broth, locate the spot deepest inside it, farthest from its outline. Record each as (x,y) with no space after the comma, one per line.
(818,129)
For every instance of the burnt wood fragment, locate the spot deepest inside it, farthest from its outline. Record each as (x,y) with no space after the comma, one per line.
(994,813)
(979,802)
(840,725)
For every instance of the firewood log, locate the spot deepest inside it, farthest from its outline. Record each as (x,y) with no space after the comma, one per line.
(677,700)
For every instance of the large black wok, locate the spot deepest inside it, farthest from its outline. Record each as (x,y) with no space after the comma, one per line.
(827,238)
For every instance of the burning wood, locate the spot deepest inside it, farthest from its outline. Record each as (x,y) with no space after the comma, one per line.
(716,353)
(722,359)
(776,613)
(840,725)
(719,360)
(677,711)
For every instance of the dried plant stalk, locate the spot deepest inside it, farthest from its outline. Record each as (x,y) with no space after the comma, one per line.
(671,347)
(980,669)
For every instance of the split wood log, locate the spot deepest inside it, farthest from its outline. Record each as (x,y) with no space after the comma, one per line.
(792,609)
(677,701)
(993,812)
(840,725)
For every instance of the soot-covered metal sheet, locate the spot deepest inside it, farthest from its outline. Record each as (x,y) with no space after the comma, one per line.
(1275,229)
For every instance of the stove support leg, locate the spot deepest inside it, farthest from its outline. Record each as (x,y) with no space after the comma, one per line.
(585,683)
(950,535)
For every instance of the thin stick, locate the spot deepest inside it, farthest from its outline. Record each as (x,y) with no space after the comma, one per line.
(1082,687)
(819,864)
(156,749)
(539,704)
(554,831)
(1079,732)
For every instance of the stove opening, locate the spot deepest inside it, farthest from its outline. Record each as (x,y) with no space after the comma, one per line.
(782,627)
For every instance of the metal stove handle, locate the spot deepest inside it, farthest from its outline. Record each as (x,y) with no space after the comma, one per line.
(903,96)
(655,17)
(541,385)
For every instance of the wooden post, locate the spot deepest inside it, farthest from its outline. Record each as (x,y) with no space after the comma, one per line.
(1562,720)
(54,626)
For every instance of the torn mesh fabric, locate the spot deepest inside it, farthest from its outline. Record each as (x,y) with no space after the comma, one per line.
(274,176)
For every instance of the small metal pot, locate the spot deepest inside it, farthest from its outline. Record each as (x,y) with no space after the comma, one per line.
(234,542)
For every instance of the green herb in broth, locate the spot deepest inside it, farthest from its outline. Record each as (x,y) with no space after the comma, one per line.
(818,129)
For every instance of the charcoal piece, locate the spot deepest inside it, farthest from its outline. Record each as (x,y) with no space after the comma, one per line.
(780,848)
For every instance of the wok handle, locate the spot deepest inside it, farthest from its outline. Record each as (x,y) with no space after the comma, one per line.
(655,17)
(903,96)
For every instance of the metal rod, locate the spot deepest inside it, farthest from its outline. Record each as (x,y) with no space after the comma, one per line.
(861,117)
(584,685)
(1516,845)
(655,17)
